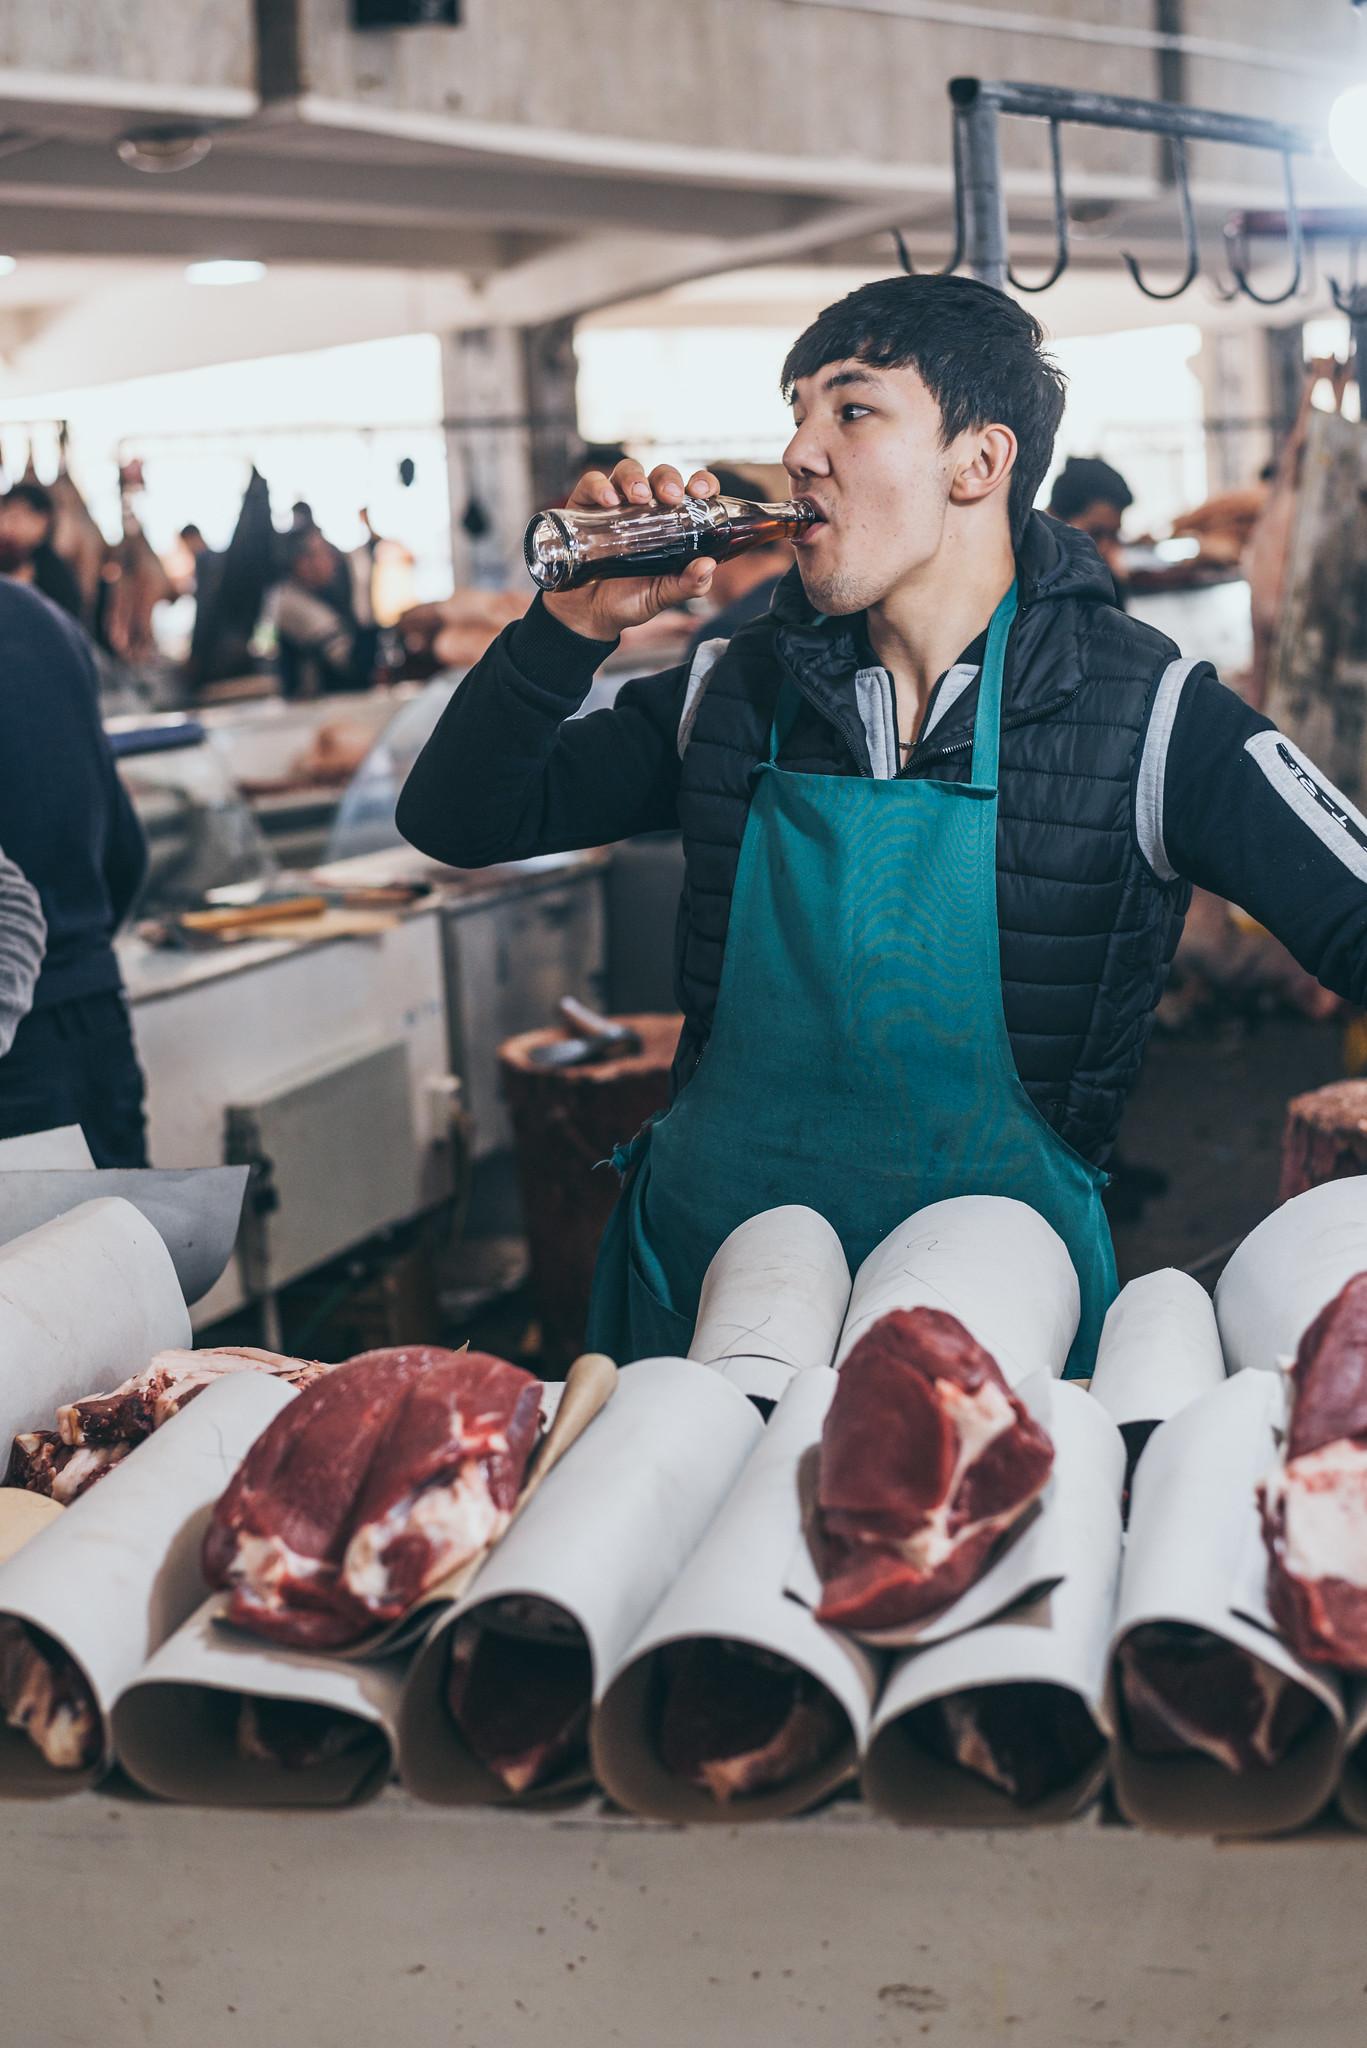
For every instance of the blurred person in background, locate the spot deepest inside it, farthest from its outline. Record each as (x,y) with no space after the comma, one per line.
(70,827)
(323,645)
(28,517)
(1091,496)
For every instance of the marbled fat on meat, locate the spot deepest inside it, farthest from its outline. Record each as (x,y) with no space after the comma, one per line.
(1314,1506)
(372,1485)
(164,1386)
(1026,1740)
(927,1461)
(44,1696)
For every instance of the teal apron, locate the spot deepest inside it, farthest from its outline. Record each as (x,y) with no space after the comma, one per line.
(859,1060)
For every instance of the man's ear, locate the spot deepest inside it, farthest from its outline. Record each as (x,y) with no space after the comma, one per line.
(987,457)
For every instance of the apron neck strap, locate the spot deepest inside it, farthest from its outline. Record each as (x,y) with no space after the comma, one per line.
(987,723)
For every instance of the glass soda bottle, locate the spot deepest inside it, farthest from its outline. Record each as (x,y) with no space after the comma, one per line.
(565,549)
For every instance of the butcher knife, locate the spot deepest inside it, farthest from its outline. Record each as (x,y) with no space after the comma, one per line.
(195,1210)
(599,1039)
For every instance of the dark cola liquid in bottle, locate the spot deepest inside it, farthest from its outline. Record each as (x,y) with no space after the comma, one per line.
(567,548)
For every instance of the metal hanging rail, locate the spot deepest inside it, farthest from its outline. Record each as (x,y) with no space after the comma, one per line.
(982,231)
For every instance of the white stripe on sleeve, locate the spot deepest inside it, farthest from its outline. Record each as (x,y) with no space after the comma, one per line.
(1337,824)
(1153,768)
(704,661)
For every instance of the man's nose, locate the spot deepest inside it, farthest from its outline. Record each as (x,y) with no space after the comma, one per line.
(803,456)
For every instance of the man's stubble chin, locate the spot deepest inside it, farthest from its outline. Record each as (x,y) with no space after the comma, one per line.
(838,594)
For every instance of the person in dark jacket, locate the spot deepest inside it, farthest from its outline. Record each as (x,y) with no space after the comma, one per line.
(28,520)
(70,828)
(941,811)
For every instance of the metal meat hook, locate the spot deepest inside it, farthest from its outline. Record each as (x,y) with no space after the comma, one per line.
(1189,234)
(1060,221)
(1296,238)
(960,233)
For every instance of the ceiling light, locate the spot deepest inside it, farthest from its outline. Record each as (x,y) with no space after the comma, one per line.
(164,149)
(8,265)
(225,270)
(1348,131)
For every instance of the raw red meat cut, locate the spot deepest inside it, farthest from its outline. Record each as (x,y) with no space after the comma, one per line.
(163,1387)
(378,1481)
(927,1461)
(737,1720)
(1314,1507)
(44,1696)
(41,1463)
(298,1735)
(1027,1740)
(1184,1690)
(519,1689)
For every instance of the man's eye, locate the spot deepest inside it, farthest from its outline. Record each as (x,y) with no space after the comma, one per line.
(853,412)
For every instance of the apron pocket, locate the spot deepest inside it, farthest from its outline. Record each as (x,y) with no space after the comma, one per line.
(657,1330)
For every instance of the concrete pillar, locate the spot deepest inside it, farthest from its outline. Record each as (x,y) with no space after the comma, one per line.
(1233,368)
(512,441)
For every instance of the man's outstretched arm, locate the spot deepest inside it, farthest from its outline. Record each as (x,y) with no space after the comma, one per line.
(1245,814)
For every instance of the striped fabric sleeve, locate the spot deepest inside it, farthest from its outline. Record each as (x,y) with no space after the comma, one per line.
(23,936)
(1225,800)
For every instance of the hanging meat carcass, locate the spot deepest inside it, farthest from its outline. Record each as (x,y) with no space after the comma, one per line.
(376,1483)
(927,1461)
(1314,1507)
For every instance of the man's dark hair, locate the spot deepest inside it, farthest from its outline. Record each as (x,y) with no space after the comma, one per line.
(38,497)
(979,354)
(1086,480)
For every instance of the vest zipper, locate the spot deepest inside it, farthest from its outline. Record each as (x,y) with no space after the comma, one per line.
(1007,725)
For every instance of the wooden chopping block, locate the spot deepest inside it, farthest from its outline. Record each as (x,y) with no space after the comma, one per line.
(1325,1137)
(565,1121)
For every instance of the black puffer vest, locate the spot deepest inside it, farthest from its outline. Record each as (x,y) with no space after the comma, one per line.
(1087,930)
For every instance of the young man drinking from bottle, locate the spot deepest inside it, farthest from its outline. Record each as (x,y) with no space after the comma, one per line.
(941,810)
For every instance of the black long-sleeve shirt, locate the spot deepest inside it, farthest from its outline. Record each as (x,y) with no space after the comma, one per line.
(1222,798)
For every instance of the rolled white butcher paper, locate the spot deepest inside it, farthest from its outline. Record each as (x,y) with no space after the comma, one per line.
(601,1541)
(84,1302)
(119,1570)
(1058,1640)
(175,1726)
(994,1263)
(1287,1269)
(1159,1349)
(773,1301)
(732,1590)
(1195,1555)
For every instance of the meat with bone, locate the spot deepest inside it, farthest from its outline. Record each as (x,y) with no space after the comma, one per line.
(298,1735)
(1027,1740)
(152,1396)
(1184,1690)
(520,1687)
(737,1720)
(41,1463)
(927,1461)
(379,1480)
(44,1696)
(1314,1507)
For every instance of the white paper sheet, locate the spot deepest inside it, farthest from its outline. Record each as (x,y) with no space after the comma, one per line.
(84,1302)
(63,1148)
(773,1301)
(1058,1639)
(1287,1269)
(1194,1556)
(1159,1348)
(119,1570)
(732,1590)
(601,1541)
(175,1726)
(993,1263)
